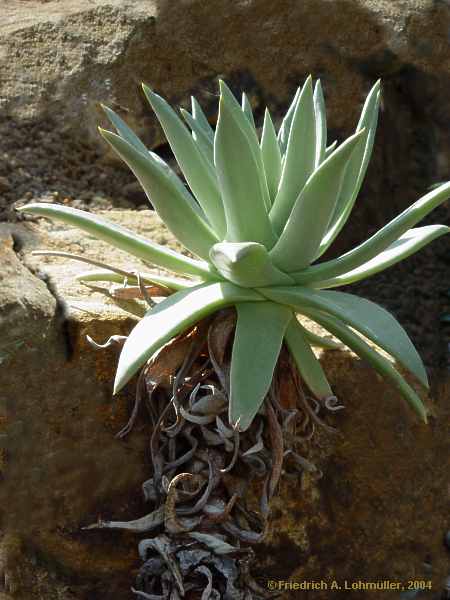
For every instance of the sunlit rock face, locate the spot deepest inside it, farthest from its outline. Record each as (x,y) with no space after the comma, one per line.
(81,53)
(378,512)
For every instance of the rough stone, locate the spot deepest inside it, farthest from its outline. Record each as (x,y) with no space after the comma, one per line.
(379,512)
(62,464)
(74,54)
(60,59)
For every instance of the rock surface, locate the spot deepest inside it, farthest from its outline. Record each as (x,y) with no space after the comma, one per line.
(82,52)
(63,465)
(379,512)
(58,60)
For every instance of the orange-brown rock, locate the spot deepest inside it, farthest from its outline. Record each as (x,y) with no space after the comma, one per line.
(379,511)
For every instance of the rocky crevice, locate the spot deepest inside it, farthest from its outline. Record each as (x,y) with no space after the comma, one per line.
(61,319)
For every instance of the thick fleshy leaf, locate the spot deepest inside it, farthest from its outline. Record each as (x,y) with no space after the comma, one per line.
(321,123)
(173,283)
(166,192)
(285,129)
(331,148)
(365,316)
(82,258)
(202,139)
(109,272)
(199,173)
(312,210)
(122,238)
(257,343)
(378,362)
(227,98)
(321,341)
(381,240)
(171,317)
(409,243)
(271,155)
(247,109)
(247,264)
(129,136)
(300,157)
(357,168)
(308,365)
(124,131)
(240,179)
(201,118)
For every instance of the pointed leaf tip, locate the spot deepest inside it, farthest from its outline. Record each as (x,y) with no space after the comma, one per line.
(170,198)
(241,177)
(356,170)
(312,210)
(122,238)
(298,143)
(197,169)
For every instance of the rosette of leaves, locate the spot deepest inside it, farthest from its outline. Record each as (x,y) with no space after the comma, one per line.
(256,216)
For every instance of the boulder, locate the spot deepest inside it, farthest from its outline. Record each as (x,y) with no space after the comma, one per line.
(80,53)
(378,512)
(63,465)
(59,60)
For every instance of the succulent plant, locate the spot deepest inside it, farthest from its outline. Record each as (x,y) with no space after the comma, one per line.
(258,216)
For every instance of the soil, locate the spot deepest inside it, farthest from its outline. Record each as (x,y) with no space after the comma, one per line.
(38,162)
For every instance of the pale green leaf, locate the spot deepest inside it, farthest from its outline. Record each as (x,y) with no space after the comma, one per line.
(247,264)
(311,213)
(202,139)
(300,157)
(368,318)
(329,149)
(169,197)
(271,155)
(129,136)
(374,358)
(124,131)
(173,283)
(108,272)
(172,316)
(409,243)
(357,168)
(82,258)
(247,109)
(381,240)
(199,173)
(122,238)
(240,182)
(283,133)
(201,119)
(321,123)
(307,364)
(227,98)
(321,341)
(257,343)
